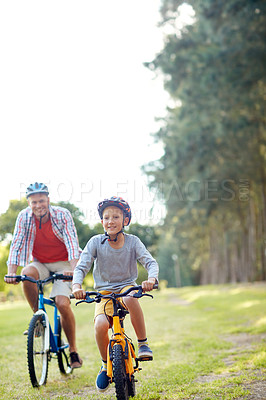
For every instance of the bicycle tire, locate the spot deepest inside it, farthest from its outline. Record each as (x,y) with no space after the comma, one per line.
(62,358)
(119,373)
(36,356)
(131,380)
(131,386)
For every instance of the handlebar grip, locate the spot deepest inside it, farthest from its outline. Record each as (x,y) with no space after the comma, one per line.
(71,296)
(17,277)
(62,277)
(156,286)
(68,278)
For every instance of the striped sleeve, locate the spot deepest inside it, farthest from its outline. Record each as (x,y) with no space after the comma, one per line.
(70,235)
(16,255)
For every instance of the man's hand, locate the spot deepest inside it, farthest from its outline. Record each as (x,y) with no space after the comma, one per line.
(68,273)
(11,280)
(147,286)
(73,264)
(12,271)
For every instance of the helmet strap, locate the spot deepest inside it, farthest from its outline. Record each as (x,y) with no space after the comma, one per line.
(40,223)
(109,239)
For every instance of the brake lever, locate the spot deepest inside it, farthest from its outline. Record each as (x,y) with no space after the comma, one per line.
(146,294)
(140,294)
(97,299)
(87,300)
(84,301)
(79,302)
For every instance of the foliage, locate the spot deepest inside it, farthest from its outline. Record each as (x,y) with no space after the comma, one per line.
(8,219)
(149,235)
(212,175)
(3,267)
(85,232)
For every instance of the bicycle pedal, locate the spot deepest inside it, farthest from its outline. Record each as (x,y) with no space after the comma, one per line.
(148,358)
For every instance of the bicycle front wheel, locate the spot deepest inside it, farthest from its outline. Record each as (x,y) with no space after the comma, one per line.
(63,359)
(36,354)
(131,386)
(119,373)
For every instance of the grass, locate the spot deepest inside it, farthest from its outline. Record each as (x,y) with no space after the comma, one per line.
(208,343)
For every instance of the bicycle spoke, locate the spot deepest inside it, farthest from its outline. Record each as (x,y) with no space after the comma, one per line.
(63,359)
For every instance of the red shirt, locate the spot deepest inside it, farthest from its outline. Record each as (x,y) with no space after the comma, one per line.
(47,247)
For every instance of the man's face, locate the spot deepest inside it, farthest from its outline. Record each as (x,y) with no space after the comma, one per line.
(39,203)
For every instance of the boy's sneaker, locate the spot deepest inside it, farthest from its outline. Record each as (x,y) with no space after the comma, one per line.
(102,381)
(145,353)
(75,360)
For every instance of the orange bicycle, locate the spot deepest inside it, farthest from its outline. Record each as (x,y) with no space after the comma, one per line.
(122,362)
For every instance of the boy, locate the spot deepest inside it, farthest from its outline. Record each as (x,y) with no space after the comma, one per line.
(115,269)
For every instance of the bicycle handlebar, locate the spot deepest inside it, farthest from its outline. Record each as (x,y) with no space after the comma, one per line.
(99,296)
(22,278)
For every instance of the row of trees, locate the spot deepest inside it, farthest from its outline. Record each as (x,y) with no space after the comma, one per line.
(212,175)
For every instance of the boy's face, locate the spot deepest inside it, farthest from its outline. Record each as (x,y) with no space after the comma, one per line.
(113,220)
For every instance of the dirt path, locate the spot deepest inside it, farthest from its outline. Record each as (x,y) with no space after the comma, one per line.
(242,344)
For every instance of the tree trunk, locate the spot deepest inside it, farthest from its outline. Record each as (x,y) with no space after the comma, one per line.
(252,241)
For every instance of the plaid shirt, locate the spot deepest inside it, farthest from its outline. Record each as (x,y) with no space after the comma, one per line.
(25,231)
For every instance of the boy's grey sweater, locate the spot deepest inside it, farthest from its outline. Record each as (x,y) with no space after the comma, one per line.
(114,268)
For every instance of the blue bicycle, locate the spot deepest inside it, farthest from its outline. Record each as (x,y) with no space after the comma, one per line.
(42,340)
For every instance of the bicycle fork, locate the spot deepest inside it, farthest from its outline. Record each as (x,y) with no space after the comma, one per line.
(47,331)
(118,338)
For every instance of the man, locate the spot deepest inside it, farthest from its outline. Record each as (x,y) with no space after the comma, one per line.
(47,235)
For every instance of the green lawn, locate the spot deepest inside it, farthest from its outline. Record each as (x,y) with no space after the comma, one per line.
(208,343)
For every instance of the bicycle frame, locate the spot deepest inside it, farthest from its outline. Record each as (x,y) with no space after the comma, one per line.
(42,339)
(51,336)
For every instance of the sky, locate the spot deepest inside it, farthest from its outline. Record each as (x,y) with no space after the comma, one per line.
(77,105)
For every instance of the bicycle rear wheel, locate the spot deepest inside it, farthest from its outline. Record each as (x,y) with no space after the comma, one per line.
(36,355)
(119,373)
(62,358)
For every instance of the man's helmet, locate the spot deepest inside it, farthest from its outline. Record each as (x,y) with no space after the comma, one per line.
(35,188)
(116,202)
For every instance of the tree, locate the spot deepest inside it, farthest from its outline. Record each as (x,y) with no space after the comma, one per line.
(84,231)
(8,219)
(215,142)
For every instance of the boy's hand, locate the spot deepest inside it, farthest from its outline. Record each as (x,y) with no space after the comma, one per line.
(147,286)
(78,292)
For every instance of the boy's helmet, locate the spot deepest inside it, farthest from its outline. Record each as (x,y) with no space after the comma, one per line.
(116,202)
(36,188)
